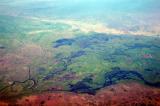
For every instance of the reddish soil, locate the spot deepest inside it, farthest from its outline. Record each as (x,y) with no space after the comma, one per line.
(131,94)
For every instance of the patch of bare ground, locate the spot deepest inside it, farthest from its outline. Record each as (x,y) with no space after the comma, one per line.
(15,64)
(130,94)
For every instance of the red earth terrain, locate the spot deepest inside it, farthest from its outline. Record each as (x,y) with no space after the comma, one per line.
(130,94)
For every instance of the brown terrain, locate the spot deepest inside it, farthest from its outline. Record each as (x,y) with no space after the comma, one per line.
(130,94)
